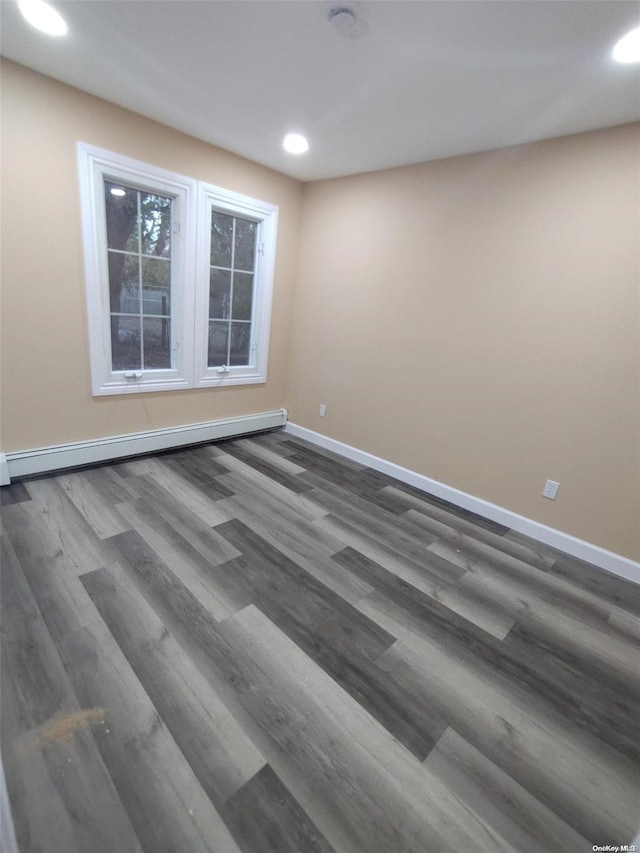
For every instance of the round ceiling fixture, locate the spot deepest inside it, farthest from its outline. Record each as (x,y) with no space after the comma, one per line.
(342,18)
(295,143)
(43,17)
(628,48)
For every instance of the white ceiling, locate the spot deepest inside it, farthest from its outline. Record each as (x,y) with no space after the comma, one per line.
(412,81)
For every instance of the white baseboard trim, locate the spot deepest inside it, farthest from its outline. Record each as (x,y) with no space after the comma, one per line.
(571,545)
(26,463)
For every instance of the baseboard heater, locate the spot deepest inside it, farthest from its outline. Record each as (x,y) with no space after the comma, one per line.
(29,463)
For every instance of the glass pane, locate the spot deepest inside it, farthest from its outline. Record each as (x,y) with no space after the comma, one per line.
(218,343)
(219,294)
(157,343)
(221,238)
(156,286)
(240,342)
(242,295)
(123,283)
(155,211)
(122,216)
(125,343)
(245,245)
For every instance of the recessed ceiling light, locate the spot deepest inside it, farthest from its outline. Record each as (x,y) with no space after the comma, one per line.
(43,17)
(295,143)
(628,48)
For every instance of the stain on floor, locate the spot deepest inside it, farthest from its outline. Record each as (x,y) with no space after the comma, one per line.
(62,729)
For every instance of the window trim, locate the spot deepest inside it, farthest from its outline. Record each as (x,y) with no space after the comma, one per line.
(190,257)
(212,198)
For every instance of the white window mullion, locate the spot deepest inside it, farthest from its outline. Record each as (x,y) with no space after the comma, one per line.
(233,265)
(140,300)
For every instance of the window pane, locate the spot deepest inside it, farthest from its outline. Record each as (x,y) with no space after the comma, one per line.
(240,342)
(124,292)
(125,343)
(155,213)
(219,294)
(156,285)
(218,343)
(242,296)
(122,217)
(157,343)
(116,279)
(221,239)
(245,245)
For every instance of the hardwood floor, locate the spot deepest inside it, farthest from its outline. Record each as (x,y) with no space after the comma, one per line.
(258,646)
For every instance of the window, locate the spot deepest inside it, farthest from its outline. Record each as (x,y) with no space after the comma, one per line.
(235,268)
(179,278)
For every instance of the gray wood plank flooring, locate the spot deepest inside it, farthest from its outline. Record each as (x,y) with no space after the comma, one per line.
(258,646)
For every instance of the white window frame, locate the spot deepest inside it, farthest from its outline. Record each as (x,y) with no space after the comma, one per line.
(193,202)
(97,165)
(266,216)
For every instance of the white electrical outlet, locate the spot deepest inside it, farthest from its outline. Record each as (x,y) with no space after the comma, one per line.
(323,410)
(550,489)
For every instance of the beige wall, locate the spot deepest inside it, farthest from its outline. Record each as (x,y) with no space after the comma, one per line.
(477,320)
(46,387)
